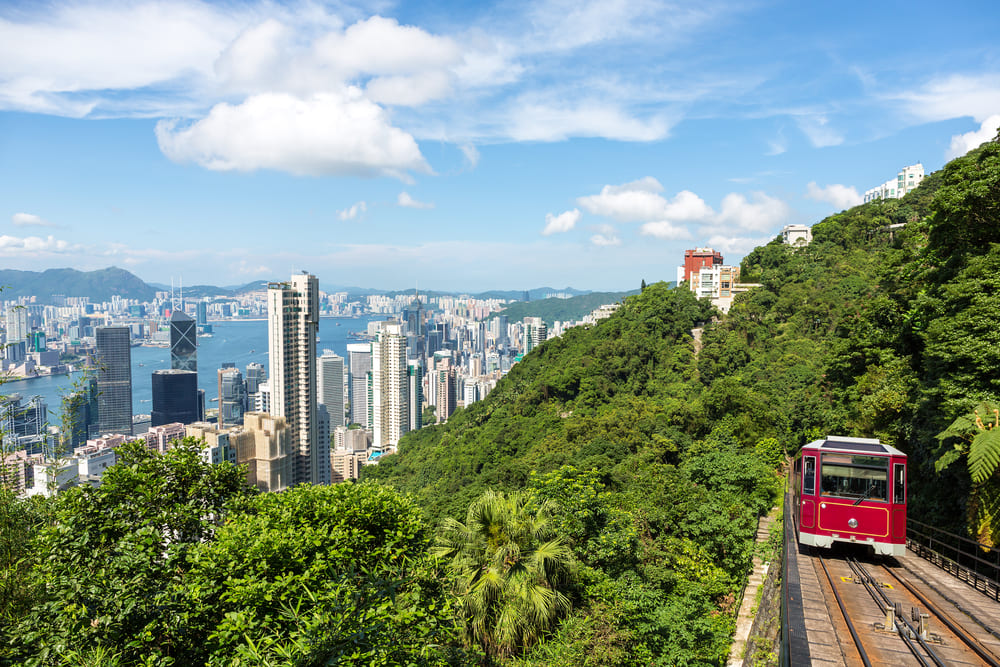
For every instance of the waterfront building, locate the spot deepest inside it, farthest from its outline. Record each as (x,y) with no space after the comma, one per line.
(293,322)
(390,386)
(175,397)
(114,380)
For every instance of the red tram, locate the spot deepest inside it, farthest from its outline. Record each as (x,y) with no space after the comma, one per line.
(851,490)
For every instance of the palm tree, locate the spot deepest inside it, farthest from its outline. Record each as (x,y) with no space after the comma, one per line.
(510,571)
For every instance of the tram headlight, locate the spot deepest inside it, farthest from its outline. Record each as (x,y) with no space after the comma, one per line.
(852,523)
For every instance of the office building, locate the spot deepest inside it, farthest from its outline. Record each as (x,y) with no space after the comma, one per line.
(183,342)
(444,390)
(201,309)
(330,386)
(17,324)
(114,381)
(535,333)
(175,397)
(232,395)
(254,376)
(359,357)
(293,322)
(415,382)
(390,387)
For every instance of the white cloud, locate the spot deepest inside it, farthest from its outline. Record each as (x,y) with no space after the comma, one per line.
(328,134)
(353,212)
(12,246)
(817,129)
(471,154)
(29,220)
(557,224)
(606,236)
(539,121)
(50,57)
(963,143)
(759,213)
(640,201)
(406,201)
(954,96)
(840,196)
(662,229)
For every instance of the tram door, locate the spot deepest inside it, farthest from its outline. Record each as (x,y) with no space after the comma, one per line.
(807,513)
(899,500)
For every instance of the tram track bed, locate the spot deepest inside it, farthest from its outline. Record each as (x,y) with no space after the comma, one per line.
(895,612)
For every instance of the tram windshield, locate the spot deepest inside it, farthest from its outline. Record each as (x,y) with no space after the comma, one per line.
(858,477)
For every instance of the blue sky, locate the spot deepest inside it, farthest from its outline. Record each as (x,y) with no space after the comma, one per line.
(464,146)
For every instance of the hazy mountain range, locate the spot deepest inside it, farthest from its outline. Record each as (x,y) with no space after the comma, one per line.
(102,284)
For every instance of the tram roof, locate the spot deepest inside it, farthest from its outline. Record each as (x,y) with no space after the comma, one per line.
(844,443)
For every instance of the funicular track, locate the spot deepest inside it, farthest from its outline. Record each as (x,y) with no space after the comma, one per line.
(891,621)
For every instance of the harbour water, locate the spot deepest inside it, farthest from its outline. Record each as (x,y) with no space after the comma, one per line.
(239,342)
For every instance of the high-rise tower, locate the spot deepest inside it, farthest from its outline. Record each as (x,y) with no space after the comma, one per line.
(359,356)
(114,380)
(390,386)
(330,386)
(292,325)
(183,342)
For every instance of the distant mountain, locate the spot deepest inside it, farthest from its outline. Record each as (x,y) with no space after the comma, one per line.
(98,285)
(563,310)
(101,285)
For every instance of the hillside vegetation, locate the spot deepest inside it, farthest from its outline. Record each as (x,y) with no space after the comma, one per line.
(598,507)
(563,310)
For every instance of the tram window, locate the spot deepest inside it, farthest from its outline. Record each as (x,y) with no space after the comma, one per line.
(899,484)
(854,476)
(809,480)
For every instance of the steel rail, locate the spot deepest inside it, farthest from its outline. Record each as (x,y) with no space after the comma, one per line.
(880,598)
(986,656)
(843,610)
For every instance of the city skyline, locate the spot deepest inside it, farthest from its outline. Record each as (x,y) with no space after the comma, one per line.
(468,146)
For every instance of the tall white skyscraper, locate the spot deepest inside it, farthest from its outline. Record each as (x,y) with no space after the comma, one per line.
(292,325)
(390,386)
(359,355)
(330,386)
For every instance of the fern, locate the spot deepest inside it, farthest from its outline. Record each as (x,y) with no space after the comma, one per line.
(984,455)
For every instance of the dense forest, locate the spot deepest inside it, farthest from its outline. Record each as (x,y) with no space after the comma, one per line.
(598,507)
(563,310)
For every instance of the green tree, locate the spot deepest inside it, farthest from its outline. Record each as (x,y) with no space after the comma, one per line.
(321,575)
(511,571)
(115,554)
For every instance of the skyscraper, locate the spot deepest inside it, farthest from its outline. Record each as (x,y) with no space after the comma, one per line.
(330,386)
(232,396)
(175,397)
(359,356)
(415,380)
(390,386)
(255,375)
(183,342)
(293,322)
(114,380)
